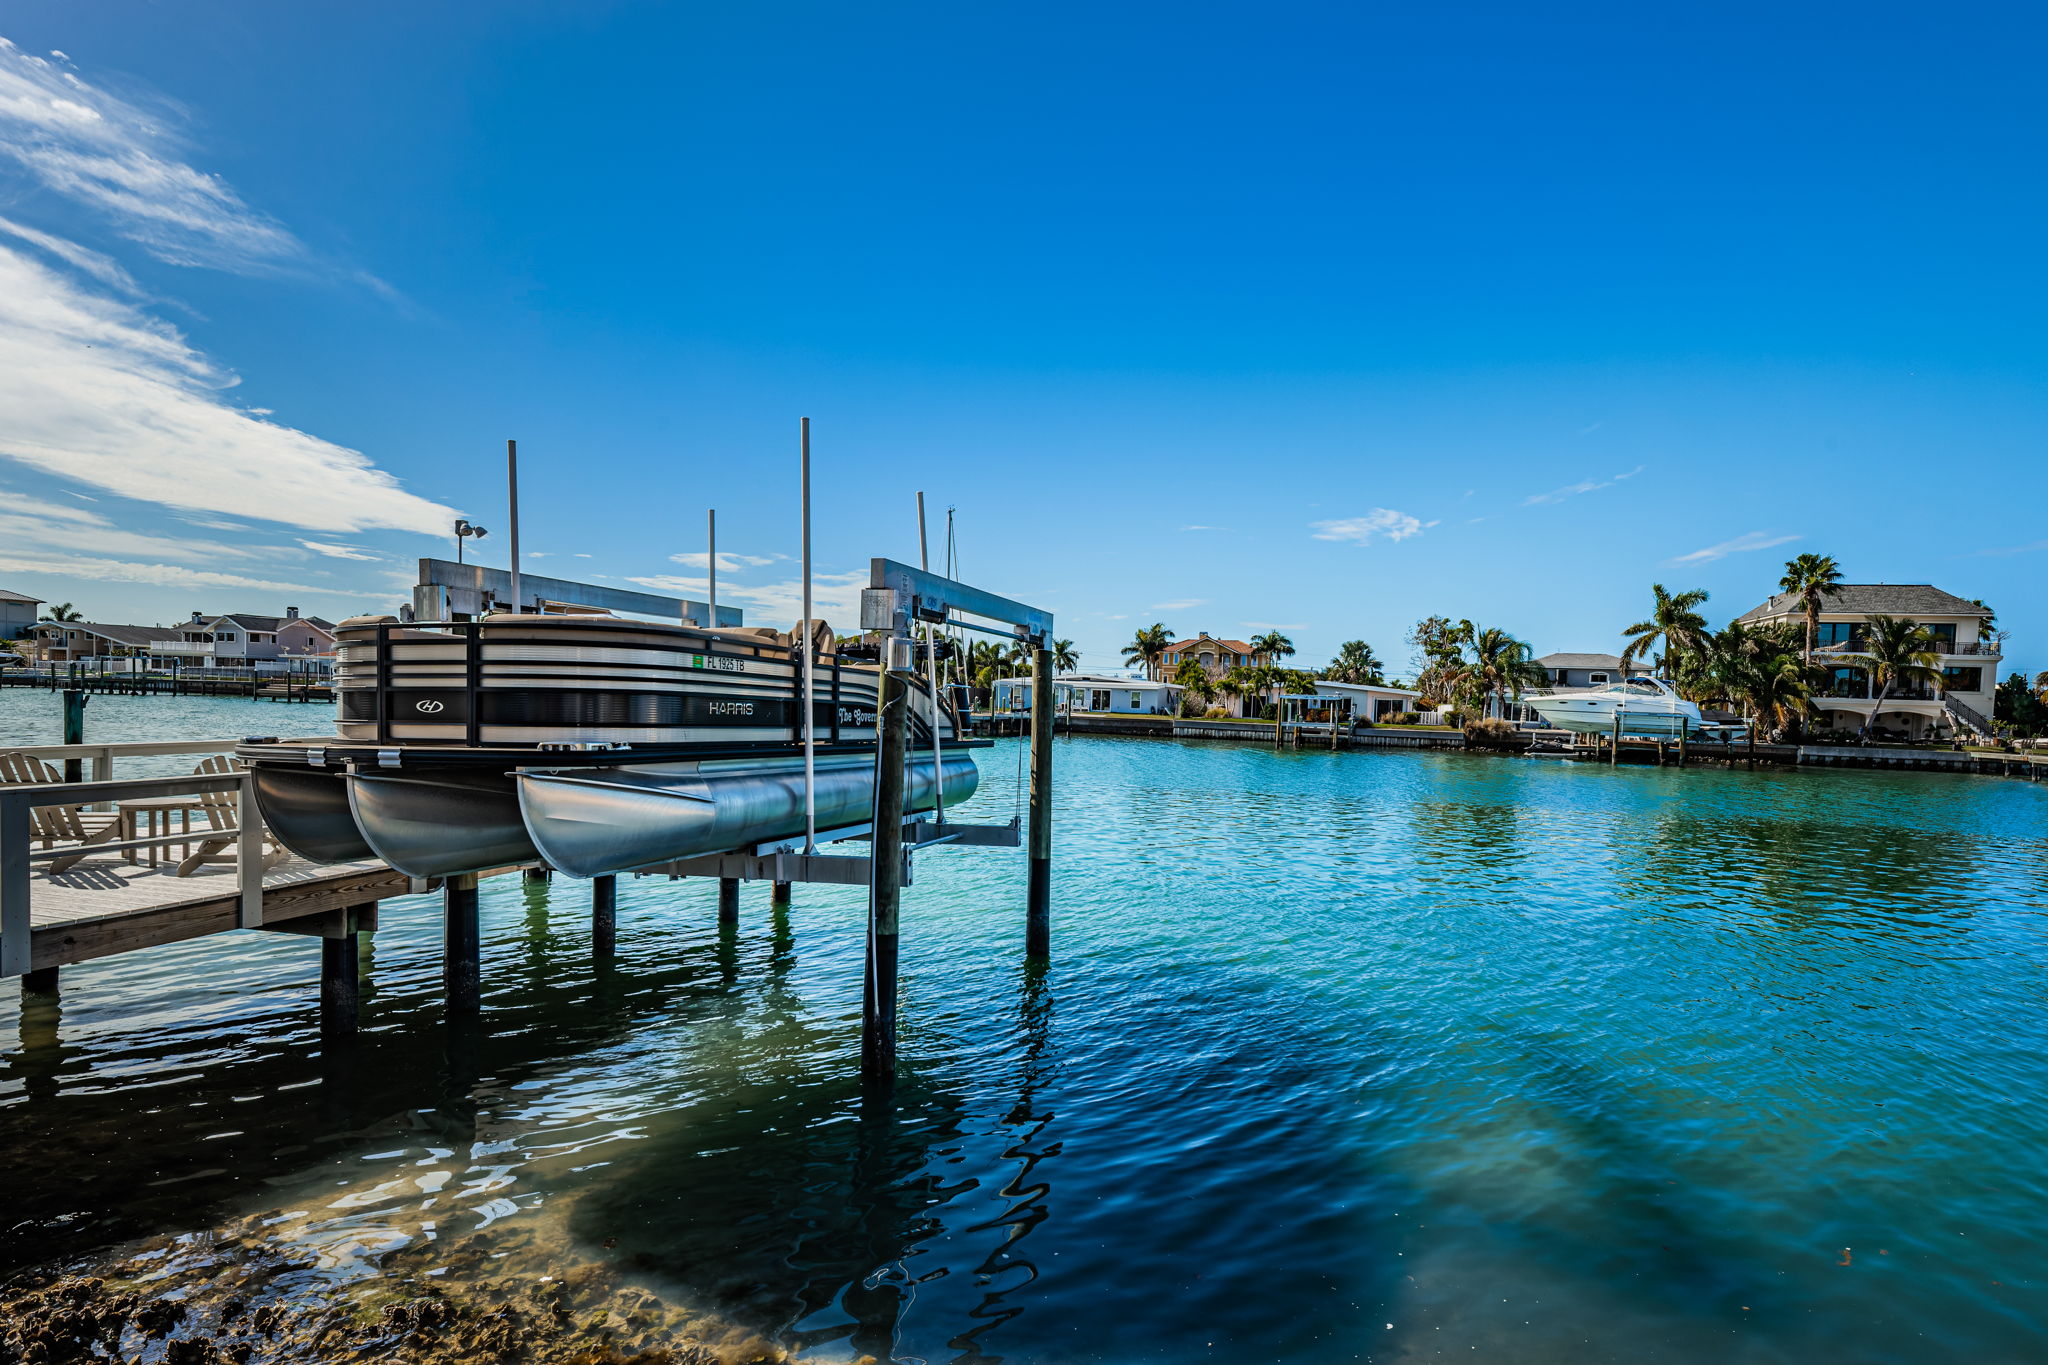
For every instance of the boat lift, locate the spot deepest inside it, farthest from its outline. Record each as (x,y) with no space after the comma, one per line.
(900,598)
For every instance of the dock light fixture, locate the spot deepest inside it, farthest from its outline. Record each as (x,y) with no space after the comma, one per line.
(463,530)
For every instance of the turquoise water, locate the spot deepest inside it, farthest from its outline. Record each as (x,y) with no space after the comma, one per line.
(1362,1056)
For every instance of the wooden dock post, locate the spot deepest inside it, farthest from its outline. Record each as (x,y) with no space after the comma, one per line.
(341,985)
(1681,743)
(885,895)
(43,983)
(74,732)
(728,900)
(1614,742)
(461,944)
(604,915)
(540,872)
(779,895)
(1038,886)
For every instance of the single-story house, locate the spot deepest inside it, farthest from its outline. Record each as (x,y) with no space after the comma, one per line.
(1078,692)
(65,641)
(1372,701)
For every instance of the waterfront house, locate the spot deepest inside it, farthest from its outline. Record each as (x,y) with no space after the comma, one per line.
(1372,701)
(1588,670)
(1078,692)
(17,614)
(69,641)
(1969,657)
(240,638)
(1217,657)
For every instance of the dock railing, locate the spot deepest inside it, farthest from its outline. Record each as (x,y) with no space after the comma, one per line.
(18,854)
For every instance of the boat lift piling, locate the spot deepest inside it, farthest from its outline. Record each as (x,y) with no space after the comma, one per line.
(604,915)
(461,966)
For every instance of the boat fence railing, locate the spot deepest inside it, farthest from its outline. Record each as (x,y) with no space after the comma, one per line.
(18,854)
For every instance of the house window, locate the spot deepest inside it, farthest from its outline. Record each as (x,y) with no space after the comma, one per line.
(1944,634)
(225,635)
(1137,700)
(1596,677)
(1839,633)
(1963,679)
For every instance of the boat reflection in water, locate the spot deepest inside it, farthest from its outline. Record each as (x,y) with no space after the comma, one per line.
(591,743)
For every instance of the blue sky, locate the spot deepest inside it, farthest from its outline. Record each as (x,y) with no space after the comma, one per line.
(1324,317)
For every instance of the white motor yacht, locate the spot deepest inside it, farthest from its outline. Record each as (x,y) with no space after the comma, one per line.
(1647,706)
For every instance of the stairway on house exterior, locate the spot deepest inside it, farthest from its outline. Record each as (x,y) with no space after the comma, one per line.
(1968,718)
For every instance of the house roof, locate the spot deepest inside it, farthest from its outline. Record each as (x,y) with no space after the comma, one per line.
(120,635)
(1365,687)
(6,596)
(1579,661)
(1872,599)
(248,621)
(1229,646)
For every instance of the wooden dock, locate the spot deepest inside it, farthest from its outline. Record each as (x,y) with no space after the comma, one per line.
(105,906)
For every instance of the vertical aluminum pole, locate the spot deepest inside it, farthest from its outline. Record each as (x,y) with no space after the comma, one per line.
(512,488)
(711,563)
(810,706)
(931,664)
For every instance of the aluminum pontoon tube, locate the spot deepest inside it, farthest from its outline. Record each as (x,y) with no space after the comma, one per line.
(593,822)
(307,810)
(443,824)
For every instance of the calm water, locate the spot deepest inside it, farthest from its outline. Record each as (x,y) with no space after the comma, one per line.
(1380,1057)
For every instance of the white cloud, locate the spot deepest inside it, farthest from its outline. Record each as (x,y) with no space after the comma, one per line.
(1572,490)
(2016,549)
(834,597)
(94,390)
(727,563)
(102,268)
(1205,528)
(1755,540)
(160,575)
(1179,604)
(121,160)
(321,547)
(31,522)
(1383,522)
(583,556)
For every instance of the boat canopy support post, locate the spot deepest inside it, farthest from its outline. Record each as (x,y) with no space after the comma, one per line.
(1038,886)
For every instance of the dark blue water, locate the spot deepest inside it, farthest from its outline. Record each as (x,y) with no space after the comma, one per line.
(1361,1056)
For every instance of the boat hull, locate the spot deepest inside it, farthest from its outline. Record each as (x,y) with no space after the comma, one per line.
(594,822)
(1592,717)
(439,824)
(307,810)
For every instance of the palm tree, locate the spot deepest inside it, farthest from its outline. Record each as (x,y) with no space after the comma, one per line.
(61,613)
(1194,682)
(1064,655)
(1271,647)
(1674,621)
(1496,670)
(1148,647)
(1897,652)
(1811,578)
(2041,684)
(1355,663)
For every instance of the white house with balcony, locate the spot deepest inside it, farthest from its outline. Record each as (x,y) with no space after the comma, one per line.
(1969,658)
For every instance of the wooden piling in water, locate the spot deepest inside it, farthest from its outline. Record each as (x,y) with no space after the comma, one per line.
(341,985)
(1038,884)
(885,894)
(461,944)
(74,732)
(42,983)
(779,895)
(1614,743)
(604,915)
(728,900)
